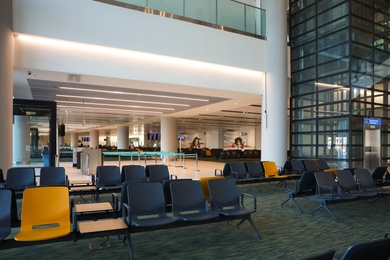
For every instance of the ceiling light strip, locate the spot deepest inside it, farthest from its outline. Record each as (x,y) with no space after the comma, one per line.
(134,94)
(111,105)
(122,100)
(112,109)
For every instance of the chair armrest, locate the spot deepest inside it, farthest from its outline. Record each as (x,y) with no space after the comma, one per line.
(71,201)
(74,220)
(126,214)
(281,171)
(234,175)
(318,192)
(217,172)
(250,196)
(289,188)
(115,201)
(93,179)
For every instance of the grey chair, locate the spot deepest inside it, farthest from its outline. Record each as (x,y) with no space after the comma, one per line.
(305,186)
(158,172)
(310,165)
(327,255)
(19,179)
(379,174)
(376,249)
(146,199)
(328,192)
(322,165)
(226,199)
(188,202)
(348,184)
(5,212)
(133,173)
(256,171)
(108,179)
(238,170)
(297,166)
(367,183)
(53,176)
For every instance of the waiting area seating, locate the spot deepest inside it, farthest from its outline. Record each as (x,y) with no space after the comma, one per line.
(19,179)
(322,187)
(45,214)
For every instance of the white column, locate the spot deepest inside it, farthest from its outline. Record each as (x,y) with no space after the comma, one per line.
(274,103)
(6,83)
(108,140)
(94,139)
(123,137)
(74,140)
(21,142)
(169,134)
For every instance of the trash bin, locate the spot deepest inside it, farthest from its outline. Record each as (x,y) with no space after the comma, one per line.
(46,160)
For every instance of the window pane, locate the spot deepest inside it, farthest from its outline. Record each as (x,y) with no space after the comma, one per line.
(302,88)
(333,67)
(338,52)
(303,101)
(305,62)
(332,95)
(333,39)
(332,14)
(303,50)
(304,126)
(303,113)
(303,27)
(304,75)
(303,16)
(362,37)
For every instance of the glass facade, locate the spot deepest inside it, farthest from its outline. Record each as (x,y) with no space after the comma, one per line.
(340,66)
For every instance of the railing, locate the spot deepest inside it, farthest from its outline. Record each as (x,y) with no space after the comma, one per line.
(226,15)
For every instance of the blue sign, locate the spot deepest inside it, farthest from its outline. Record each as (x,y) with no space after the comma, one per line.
(372,121)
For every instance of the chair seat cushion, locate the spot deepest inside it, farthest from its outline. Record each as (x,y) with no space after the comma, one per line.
(153,222)
(43,234)
(237,212)
(198,216)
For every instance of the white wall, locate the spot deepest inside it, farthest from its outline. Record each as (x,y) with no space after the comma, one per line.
(92,22)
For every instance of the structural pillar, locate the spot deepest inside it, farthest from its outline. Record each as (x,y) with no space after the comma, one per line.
(6,83)
(94,139)
(168,134)
(274,113)
(123,137)
(74,140)
(21,142)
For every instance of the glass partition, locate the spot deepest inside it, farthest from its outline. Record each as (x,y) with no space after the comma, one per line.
(229,14)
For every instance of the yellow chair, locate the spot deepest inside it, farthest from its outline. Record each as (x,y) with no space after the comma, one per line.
(205,185)
(272,171)
(45,214)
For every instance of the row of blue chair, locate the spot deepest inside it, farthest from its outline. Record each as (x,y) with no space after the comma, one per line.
(324,188)
(18,178)
(143,198)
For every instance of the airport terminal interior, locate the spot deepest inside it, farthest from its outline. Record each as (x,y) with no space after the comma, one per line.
(208,129)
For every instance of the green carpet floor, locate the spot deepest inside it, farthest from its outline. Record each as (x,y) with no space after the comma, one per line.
(285,233)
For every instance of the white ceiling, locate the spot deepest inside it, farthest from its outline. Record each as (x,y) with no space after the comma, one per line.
(82,107)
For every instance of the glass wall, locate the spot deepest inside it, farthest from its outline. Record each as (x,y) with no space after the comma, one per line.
(34,133)
(340,68)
